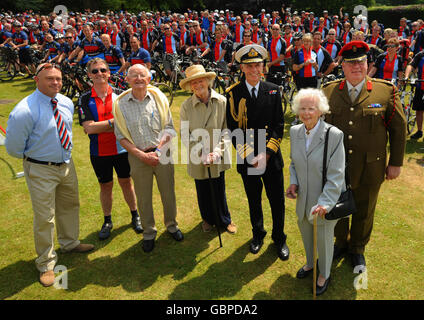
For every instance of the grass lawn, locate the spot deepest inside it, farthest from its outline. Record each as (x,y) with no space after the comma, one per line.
(197,268)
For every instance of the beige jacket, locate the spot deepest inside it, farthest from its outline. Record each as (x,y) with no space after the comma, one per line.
(195,115)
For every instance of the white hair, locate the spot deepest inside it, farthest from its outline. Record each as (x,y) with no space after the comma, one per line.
(317,94)
(139,66)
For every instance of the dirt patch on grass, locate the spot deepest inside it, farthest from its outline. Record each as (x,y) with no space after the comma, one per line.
(5,101)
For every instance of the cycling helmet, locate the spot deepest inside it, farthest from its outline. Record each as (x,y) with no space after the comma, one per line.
(298,35)
(58,36)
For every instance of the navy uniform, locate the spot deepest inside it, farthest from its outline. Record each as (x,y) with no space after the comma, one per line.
(368,123)
(260,123)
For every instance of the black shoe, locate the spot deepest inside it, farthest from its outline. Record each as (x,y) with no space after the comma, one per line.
(283,252)
(358,262)
(302,273)
(321,290)
(177,235)
(338,252)
(136,224)
(105,231)
(148,245)
(417,135)
(256,245)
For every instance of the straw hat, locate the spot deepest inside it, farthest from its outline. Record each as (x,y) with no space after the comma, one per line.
(193,72)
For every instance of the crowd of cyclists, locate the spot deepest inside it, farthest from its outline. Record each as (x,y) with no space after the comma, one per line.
(301,44)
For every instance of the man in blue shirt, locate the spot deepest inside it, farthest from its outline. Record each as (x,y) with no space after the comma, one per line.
(39,130)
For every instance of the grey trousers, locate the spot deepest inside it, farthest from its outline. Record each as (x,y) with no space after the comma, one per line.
(325,243)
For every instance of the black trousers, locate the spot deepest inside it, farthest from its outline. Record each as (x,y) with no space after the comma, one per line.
(273,181)
(303,83)
(204,200)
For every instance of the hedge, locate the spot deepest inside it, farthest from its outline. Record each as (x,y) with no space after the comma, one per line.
(390,16)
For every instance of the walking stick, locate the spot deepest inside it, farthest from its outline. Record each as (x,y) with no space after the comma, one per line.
(315,259)
(214,205)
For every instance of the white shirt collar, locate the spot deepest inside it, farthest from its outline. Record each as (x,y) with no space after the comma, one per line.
(249,87)
(358,87)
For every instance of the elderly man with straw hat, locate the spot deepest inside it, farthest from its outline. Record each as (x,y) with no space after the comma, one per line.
(205,109)
(255,116)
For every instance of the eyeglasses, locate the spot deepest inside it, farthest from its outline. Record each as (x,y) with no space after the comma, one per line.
(46,66)
(102,70)
(68,37)
(273,29)
(331,34)
(246,35)
(166,28)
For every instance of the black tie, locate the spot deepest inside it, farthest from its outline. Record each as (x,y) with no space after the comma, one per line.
(253,94)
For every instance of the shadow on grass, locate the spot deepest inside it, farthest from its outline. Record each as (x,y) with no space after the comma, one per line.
(133,269)
(287,287)
(16,277)
(226,278)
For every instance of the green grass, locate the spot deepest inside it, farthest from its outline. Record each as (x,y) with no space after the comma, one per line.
(197,268)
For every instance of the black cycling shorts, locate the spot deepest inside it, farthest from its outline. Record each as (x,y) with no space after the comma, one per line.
(103,166)
(418,103)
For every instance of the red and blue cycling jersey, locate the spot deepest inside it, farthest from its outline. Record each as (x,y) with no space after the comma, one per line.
(388,69)
(140,56)
(92,108)
(277,47)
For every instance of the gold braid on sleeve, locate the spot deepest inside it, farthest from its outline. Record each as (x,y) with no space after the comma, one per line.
(241,116)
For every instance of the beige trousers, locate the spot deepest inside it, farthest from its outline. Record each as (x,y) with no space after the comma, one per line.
(142,175)
(55,201)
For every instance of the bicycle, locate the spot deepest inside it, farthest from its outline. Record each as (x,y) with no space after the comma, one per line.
(286,87)
(8,63)
(406,98)
(120,85)
(222,80)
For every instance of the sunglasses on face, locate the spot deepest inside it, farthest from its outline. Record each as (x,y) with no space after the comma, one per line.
(68,37)
(102,70)
(166,28)
(331,34)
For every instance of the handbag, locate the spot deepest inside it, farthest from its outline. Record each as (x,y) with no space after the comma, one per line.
(345,206)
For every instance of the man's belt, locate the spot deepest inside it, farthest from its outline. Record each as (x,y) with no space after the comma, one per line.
(49,163)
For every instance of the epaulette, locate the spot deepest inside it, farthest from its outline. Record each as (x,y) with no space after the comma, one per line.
(332,82)
(231,87)
(389,83)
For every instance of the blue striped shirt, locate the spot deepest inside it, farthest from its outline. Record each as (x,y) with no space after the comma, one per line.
(32,131)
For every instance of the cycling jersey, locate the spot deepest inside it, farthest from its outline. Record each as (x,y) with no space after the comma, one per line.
(141,56)
(387,69)
(92,108)
(277,47)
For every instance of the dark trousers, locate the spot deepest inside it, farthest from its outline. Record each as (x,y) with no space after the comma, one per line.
(303,83)
(204,200)
(362,221)
(273,181)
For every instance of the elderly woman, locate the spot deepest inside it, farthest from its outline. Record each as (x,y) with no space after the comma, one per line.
(307,146)
(205,109)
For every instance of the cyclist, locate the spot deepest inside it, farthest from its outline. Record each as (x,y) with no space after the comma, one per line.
(137,55)
(91,45)
(388,65)
(417,65)
(113,55)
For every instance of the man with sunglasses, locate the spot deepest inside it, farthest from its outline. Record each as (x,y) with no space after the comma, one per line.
(106,154)
(369,113)
(39,130)
(276,54)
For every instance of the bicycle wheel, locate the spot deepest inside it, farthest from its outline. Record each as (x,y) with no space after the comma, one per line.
(8,71)
(284,101)
(166,90)
(410,121)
